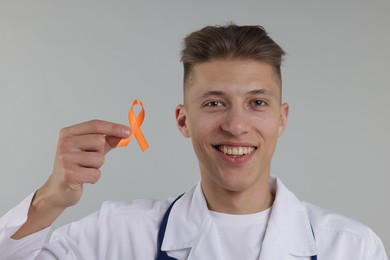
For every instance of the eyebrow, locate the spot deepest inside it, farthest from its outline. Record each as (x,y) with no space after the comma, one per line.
(211,93)
(261,92)
(250,93)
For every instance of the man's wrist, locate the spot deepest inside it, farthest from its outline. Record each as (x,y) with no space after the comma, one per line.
(41,214)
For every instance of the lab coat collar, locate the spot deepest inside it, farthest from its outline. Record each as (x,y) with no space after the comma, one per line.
(288,226)
(188,217)
(288,231)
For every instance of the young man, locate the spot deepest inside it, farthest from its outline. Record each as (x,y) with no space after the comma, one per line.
(233,113)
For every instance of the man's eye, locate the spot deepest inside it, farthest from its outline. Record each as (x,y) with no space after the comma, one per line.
(258,102)
(214,104)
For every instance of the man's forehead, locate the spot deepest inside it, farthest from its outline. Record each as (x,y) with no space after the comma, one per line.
(212,70)
(244,77)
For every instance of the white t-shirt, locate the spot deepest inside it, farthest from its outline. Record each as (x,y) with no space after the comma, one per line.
(240,236)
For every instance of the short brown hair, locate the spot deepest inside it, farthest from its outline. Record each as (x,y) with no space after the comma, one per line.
(230,42)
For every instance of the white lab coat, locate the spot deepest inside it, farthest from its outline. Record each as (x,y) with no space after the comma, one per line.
(128,230)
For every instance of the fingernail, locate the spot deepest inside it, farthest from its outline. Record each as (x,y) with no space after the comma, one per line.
(126,131)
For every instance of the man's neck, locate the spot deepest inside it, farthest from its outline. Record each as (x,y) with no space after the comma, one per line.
(251,200)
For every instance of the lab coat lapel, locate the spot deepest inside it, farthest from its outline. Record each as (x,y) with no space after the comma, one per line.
(289,231)
(273,247)
(188,219)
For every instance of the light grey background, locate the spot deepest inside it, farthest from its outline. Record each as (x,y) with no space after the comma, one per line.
(64,62)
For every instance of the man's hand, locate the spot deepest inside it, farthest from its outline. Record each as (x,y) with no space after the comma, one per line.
(80,153)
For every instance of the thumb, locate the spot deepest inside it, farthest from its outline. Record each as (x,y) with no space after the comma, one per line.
(111,143)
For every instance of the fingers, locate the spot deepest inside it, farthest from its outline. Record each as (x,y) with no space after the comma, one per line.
(91,142)
(96,127)
(83,159)
(81,150)
(77,176)
(80,153)
(79,167)
(94,135)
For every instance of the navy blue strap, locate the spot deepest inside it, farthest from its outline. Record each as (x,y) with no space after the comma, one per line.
(314,257)
(162,255)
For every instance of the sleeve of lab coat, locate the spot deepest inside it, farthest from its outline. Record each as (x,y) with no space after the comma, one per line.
(26,248)
(378,250)
(73,241)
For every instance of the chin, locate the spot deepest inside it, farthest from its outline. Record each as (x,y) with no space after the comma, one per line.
(235,185)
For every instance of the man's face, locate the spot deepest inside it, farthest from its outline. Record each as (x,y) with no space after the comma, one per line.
(232,113)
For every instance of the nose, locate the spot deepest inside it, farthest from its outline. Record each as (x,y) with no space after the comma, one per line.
(236,122)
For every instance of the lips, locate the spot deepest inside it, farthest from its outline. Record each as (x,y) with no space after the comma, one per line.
(235,150)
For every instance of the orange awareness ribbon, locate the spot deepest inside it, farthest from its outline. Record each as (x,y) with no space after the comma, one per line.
(135,123)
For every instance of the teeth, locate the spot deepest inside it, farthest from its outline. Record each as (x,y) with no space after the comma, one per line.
(236,151)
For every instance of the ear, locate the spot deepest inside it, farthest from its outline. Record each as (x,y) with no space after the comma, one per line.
(181,120)
(284,109)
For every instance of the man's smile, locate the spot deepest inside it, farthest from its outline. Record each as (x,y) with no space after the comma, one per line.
(235,150)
